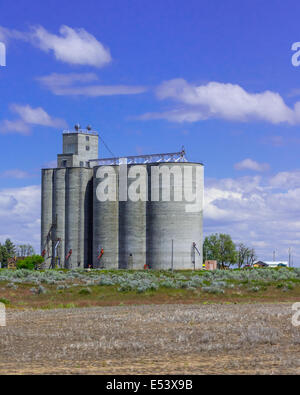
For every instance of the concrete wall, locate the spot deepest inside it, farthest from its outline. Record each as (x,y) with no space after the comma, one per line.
(132,225)
(78,213)
(67,216)
(105,225)
(135,233)
(167,221)
(131,233)
(59,199)
(47,214)
(78,149)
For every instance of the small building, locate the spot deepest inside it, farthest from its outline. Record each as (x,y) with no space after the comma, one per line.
(11,263)
(211,265)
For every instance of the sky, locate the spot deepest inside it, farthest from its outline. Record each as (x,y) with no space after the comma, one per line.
(152,76)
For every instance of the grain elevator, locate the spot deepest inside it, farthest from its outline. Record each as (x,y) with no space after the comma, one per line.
(134,212)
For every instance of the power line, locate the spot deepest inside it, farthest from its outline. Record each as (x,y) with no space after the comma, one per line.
(106,146)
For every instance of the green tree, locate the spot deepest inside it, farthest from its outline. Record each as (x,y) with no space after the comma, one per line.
(3,255)
(31,262)
(10,248)
(221,248)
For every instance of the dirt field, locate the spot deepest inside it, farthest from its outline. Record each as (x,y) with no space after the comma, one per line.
(152,339)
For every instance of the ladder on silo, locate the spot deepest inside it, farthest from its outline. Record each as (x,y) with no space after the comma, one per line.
(49,238)
(56,258)
(196,249)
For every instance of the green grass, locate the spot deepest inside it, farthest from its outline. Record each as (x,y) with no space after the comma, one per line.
(4,301)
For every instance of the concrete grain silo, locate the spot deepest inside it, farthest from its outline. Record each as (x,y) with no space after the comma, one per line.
(105,222)
(67,201)
(47,215)
(121,213)
(59,205)
(78,216)
(171,228)
(133,223)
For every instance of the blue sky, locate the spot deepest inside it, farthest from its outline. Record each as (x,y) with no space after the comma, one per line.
(152,76)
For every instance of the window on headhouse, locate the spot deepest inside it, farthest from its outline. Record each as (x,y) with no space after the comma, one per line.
(87,148)
(64,163)
(81,164)
(87,138)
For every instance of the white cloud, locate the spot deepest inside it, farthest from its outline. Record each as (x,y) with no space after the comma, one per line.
(15,173)
(286,180)
(20,215)
(73,46)
(250,164)
(29,117)
(253,210)
(8,34)
(75,84)
(17,126)
(224,101)
(37,116)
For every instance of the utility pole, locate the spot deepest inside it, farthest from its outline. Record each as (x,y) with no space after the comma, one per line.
(274,256)
(290,257)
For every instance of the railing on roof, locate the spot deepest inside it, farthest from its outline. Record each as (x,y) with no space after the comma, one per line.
(84,131)
(144,159)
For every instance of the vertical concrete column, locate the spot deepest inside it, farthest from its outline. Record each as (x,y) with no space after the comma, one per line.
(47,214)
(105,220)
(85,217)
(59,214)
(175,220)
(72,215)
(132,220)
(78,216)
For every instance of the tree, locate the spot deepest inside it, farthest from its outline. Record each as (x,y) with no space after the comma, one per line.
(3,255)
(221,248)
(31,262)
(242,255)
(10,248)
(246,256)
(251,257)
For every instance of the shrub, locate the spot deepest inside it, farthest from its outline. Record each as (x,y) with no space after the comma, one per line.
(25,265)
(213,290)
(30,263)
(254,289)
(41,290)
(12,285)
(4,301)
(85,291)
(167,284)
